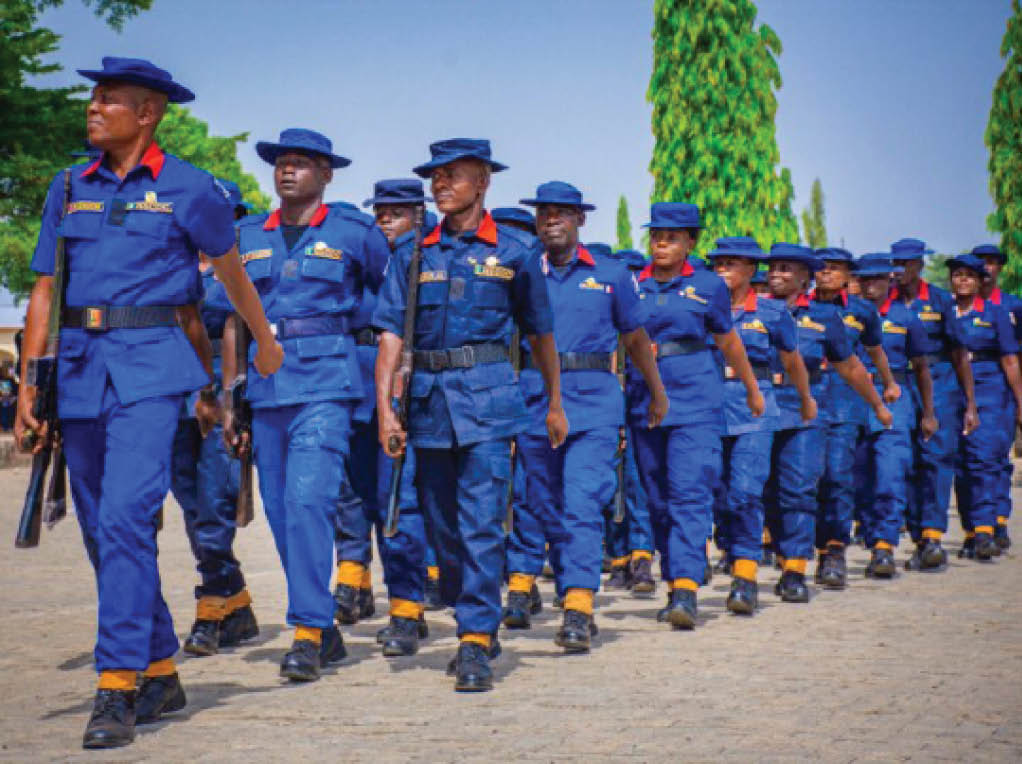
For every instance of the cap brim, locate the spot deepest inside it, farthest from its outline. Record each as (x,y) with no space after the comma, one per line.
(425,170)
(396,202)
(653,226)
(269,152)
(175,93)
(537,202)
(748,256)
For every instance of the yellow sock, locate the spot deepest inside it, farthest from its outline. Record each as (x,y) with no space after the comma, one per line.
(117,680)
(238,601)
(433,571)
(579,600)
(211,608)
(350,573)
(1002,520)
(165,667)
(883,545)
(367,579)
(745,569)
(641,554)
(932,534)
(521,582)
(479,639)
(400,608)
(620,562)
(796,564)
(970,535)
(684,583)
(835,544)
(984,529)
(310,633)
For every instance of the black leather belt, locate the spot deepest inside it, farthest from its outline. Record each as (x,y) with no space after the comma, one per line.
(366,337)
(289,328)
(460,358)
(985,355)
(678,347)
(579,361)
(100,318)
(760,371)
(815,377)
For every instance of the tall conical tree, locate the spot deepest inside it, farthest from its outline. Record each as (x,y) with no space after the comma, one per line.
(814,218)
(624,224)
(1004,139)
(712,90)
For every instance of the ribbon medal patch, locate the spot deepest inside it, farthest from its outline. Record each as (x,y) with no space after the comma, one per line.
(807,323)
(151,204)
(892,328)
(492,269)
(320,249)
(593,284)
(690,293)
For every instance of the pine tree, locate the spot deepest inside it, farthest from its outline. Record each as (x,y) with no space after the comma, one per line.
(1004,139)
(712,90)
(624,225)
(814,219)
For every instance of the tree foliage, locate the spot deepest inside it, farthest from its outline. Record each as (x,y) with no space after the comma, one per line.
(814,218)
(935,271)
(624,224)
(1004,139)
(712,91)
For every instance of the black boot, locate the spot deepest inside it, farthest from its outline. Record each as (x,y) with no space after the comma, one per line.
(557,603)
(1001,536)
(346,598)
(968,550)
(239,626)
(832,570)
(432,594)
(422,631)
(723,567)
(619,579)
(643,584)
(681,609)
(986,547)
(366,603)
(881,564)
(932,556)
(204,638)
(576,631)
(472,668)
(517,610)
(744,596)
(535,601)
(403,638)
(112,723)
(661,614)
(301,663)
(159,695)
(792,587)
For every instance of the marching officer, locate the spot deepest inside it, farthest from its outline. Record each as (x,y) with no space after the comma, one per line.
(515,217)
(133,223)
(475,279)
(594,300)
(311,265)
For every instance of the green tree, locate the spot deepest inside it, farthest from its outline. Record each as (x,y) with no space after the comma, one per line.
(712,91)
(814,219)
(624,224)
(935,271)
(1004,139)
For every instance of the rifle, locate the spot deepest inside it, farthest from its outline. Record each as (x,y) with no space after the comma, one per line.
(403,377)
(46,499)
(241,413)
(619,494)
(516,365)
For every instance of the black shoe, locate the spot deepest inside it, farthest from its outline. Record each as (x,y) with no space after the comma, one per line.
(1001,536)
(158,695)
(932,556)
(432,598)
(472,668)
(346,598)
(112,723)
(535,601)
(403,638)
(968,550)
(366,603)
(606,565)
(792,587)
(421,632)
(986,547)
(915,562)
(557,603)
(575,632)
(832,570)
(681,609)
(331,648)
(494,653)
(620,579)
(516,613)
(766,559)
(643,584)
(881,564)
(301,663)
(723,566)
(239,626)
(203,639)
(744,596)
(661,614)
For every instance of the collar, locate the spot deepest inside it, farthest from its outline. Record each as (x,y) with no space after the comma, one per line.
(487,231)
(750,301)
(273,221)
(647,272)
(995,295)
(923,294)
(802,301)
(891,297)
(152,158)
(842,295)
(978,304)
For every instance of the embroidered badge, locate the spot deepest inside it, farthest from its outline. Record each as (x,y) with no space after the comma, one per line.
(755,325)
(977,321)
(807,323)
(432,277)
(320,249)
(593,284)
(256,254)
(892,328)
(929,315)
(493,271)
(853,322)
(690,293)
(84,207)
(151,204)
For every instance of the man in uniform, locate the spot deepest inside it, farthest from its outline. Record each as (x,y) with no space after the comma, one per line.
(475,278)
(311,265)
(515,217)
(133,223)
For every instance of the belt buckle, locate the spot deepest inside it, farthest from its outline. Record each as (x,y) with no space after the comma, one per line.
(462,357)
(437,360)
(96,318)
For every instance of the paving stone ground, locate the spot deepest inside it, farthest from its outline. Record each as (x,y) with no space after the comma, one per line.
(926,667)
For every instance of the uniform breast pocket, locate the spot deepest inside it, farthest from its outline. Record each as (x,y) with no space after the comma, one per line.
(150,232)
(491,294)
(323,363)
(323,269)
(258,270)
(432,294)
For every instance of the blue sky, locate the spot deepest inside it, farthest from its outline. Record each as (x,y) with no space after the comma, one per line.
(886,102)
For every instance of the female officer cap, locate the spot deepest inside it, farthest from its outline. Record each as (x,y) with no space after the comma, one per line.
(737,246)
(990,250)
(795,253)
(969,261)
(876,264)
(673,215)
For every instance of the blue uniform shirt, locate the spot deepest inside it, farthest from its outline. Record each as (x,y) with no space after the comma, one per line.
(840,403)
(1012,305)
(933,307)
(594,300)
(821,341)
(472,287)
(764,325)
(131,242)
(986,329)
(688,308)
(338,256)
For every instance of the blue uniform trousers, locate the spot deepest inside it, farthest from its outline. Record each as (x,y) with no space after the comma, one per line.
(365,507)
(526,544)
(836,505)
(568,489)
(1007,468)
(679,467)
(204,480)
(796,464)
(300,452)
(884,483)
(463,494)
(738,505)
(634,533)
(933,460)
(119,465)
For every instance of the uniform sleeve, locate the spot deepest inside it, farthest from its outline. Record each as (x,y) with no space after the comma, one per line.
(837,346)
(530,302)
(389,315)
(1015,314)
(783,334)
(208,218)
(375,254)
(1007,344)
(916,341)
(46,244)
(718,317)
(627,316)
(872,327)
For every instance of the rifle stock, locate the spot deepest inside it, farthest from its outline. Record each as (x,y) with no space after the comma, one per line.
(241,412)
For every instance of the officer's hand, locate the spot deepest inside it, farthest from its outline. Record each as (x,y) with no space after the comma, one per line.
(25,422)
(970,422)
(929,426)
(622,440)
(556,426)
(808,409)
(885,416)
(237,443)
(209,415)
(269,357)
(892,393)
(392,437)
(658,407)
(756,403)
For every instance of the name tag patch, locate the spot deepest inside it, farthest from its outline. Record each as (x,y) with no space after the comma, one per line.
(432,277)
(320,249)
(84,207)
(256,254)
(929,315)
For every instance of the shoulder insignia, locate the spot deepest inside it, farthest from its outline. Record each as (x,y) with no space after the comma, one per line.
(432,277)
(853,322)
(892,328)
(690,293)
(807,323)
(320,249)
(84,207)
(256,254)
